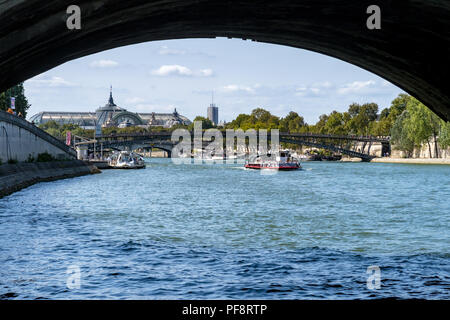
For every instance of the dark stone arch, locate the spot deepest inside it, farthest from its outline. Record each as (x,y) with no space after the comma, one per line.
(411,50)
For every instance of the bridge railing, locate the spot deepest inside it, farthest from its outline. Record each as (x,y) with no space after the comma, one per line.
(301,135)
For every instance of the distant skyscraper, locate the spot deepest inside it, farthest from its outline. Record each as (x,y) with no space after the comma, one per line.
(213,111)
(213,114)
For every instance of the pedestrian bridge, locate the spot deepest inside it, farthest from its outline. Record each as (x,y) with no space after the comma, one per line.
(410,50)
(336,143)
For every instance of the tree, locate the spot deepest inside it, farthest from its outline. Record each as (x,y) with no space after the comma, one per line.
(239,121)
(21,102)
(398,105)
(444,135)
(206,123)
(400,136)
(354,109)
(292,123)
(361,117)
(416,126)
(335,124)
(319,127)
(261,115)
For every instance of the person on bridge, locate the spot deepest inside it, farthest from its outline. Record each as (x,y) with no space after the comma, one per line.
(20,115)
(10,111)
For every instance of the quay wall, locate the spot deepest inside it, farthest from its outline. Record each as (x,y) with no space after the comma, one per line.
(20,139)
(14,177)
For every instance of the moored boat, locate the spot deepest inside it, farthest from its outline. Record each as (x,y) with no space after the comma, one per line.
(284,161)
(126,160)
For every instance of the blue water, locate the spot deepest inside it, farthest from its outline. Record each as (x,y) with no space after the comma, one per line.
(218,231)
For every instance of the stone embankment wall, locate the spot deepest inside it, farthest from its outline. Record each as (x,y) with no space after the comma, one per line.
(20,139)
(373,149)
(14,177)
(424,152)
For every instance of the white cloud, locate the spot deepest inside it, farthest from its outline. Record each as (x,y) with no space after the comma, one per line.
(165,50)
(177,70)
(325,84)
(315,89)
(170,70)
(104,64)
(206,72)
(356,87)
(234,88)
(46,81)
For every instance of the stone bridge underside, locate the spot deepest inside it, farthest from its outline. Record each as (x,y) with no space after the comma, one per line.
(411,50)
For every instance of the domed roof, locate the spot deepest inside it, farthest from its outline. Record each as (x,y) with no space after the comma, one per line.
(110,106)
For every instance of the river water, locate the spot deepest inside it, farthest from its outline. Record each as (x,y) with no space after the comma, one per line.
(219,232)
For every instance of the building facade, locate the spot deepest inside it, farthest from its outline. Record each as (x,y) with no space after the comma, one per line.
(213,114)
(112,115)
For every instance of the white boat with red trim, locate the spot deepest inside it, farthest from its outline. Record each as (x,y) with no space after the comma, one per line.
(284,161)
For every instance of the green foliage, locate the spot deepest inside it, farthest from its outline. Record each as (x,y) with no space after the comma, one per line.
(18,92)
(30,159)
(361,117)
(292,123)
(45,157)
(59,131)
(263,119)
(415,126)
(12,161)
(335,124)
(400,135)
(444,135)
(206,123)
(126,130)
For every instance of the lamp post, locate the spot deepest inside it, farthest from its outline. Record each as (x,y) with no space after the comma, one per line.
(95,127)
(97,133)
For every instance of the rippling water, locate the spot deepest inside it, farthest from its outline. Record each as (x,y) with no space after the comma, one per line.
(218,231)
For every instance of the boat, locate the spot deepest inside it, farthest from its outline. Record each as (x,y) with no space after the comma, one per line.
(284,161)
(126,160)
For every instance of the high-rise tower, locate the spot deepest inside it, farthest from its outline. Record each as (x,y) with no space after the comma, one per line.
(213,112)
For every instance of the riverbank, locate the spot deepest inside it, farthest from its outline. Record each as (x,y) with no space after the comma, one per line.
(14,177)
(413,160)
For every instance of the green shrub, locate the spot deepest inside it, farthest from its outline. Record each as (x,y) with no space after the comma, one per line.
(45,157)
(30,159)
(12,161)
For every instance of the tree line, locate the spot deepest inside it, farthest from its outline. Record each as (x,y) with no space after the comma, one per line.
(21,102)
(410,124)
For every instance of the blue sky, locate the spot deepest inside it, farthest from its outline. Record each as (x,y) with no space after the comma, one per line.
(162,75)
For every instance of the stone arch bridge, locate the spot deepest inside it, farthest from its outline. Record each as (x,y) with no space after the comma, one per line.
(410,50)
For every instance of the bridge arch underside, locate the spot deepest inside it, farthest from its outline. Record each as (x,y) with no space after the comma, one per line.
(411,50)
(134,145)
(366,157)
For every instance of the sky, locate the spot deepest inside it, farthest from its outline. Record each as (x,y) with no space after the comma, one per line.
(159,76)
